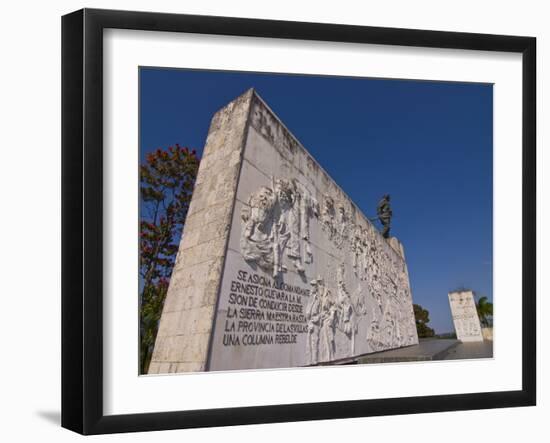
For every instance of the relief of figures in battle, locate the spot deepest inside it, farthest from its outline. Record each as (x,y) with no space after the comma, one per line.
(276,225)
(361,303)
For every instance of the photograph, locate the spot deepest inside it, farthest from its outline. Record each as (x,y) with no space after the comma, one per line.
(296,221)
(267,222)
(271,220)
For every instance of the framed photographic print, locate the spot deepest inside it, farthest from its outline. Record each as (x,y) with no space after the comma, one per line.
(269,221)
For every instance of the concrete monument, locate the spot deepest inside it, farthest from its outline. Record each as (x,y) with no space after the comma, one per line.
(277,267)
(465,318)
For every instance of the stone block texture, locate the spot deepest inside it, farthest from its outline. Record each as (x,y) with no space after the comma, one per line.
(185,328)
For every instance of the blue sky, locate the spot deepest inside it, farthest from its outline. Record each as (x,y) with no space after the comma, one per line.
(428,144)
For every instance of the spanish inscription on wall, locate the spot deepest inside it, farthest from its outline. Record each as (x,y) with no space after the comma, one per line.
(465,318)
(307,279)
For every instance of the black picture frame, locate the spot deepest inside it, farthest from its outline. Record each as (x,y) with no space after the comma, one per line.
(82,218)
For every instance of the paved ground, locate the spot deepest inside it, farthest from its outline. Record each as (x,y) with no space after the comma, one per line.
(482,349)
(432,349)
(425,350)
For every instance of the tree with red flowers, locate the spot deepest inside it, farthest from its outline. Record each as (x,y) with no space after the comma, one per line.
(167,178)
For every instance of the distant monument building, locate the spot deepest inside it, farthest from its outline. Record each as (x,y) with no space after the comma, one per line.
(465,318)
(277,267)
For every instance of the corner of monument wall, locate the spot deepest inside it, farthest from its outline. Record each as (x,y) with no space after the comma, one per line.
(182,342)
(224,115)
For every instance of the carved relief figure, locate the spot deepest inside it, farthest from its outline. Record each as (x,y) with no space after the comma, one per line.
(347,318)
(341,228)
(256,235)
(357,250)
(313,315)
(360,249)
(309,208)
(276,224)
(329,318)
(284,226)
(328,216)
(359,301)
(373,332)
(390,333)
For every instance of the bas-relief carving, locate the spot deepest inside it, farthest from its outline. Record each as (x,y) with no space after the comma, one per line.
(360,250)
(328,217)
(348,310)
(325,314)
(275,236)
(276,224)
(256,234)
(314,320)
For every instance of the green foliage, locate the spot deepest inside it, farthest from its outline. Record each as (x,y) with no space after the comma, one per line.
(485,311)
(422,318)
(167,178)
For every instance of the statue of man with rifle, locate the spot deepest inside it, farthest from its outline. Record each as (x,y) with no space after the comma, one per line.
(384,214)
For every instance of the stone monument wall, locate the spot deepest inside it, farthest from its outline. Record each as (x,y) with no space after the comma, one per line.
(305,277)
(465,318)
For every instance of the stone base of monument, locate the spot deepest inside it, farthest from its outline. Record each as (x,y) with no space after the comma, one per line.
(425,350)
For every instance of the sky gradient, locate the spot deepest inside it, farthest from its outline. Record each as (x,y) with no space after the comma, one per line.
(427,144)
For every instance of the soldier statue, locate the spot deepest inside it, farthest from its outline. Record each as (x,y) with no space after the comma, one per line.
(384,215)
